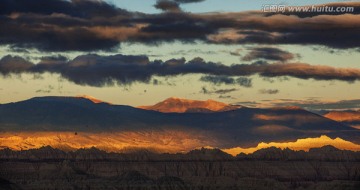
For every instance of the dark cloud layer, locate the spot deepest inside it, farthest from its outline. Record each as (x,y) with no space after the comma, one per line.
(75,8)
(57,25)
(189,1)
(316,105)
(85,25)
(9,64)
(204,90)
(166,5)
(268,53)
(217,80)
(97,70)
(173,5)
(269,91)
(225,91)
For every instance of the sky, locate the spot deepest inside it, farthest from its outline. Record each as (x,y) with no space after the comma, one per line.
(135,52)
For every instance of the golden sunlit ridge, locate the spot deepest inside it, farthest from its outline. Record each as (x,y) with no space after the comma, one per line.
(162,142)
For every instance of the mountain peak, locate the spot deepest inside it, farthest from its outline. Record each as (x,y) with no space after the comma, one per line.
(174,98)
(91,98)
(180,105)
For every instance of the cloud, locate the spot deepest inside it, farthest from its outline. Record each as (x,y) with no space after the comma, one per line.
(98,70)
(166,5)
(46,90)
(225,91)
(221,92)
(243,81)
(75,8)
(290,29)
(58,59)
(217,80)
(226,97)
(328,105)
(204,90)
(192,52)
(87,25)
(10,64)
(268,53)
(312,104)
(56,25)
(307,71)
(268,91)
(235,52)
(189,1)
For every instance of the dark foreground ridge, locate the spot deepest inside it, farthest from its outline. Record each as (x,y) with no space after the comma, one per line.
(271,168)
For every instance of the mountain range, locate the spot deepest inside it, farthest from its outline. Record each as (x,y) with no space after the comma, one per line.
(172,125)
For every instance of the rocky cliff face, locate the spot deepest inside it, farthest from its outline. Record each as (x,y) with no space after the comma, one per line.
(272,168)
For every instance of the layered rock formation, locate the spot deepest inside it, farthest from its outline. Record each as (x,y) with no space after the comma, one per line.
(270,168)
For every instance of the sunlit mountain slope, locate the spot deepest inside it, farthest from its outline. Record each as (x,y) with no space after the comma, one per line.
(178,105)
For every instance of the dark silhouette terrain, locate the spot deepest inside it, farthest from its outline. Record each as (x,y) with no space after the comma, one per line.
(271,168)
